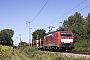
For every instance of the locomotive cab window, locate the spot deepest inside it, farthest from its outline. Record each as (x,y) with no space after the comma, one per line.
(63,34)
(69,34)
(66,34)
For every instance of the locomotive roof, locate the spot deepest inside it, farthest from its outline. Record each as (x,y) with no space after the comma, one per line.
(57,31)
(66,31)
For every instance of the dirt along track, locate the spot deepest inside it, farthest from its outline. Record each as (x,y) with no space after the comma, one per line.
(75,54)
(79,52)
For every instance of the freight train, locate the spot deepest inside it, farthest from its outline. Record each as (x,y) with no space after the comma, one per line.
(58,40)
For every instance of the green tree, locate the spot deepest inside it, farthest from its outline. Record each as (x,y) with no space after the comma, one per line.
(75,23)
(6,37)
(86,32)
(39,33)
(87,26)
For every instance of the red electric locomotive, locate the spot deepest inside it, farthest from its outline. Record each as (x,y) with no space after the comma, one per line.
(59,40)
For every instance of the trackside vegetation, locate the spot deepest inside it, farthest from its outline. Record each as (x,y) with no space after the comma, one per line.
(6,53)
(30,53)
(34,54)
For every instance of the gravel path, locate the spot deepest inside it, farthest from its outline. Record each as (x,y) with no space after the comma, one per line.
(75,55)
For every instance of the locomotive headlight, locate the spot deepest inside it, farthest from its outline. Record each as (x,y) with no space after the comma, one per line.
(67,40)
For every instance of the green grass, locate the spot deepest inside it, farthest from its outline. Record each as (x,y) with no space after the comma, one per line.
(5,52)
(8,53)
(34,54)
(30,53)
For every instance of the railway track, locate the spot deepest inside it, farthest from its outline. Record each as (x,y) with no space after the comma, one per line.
(78,55)
(79,52)
(75,54)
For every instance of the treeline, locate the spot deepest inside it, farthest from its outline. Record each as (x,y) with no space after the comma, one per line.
(80,27)
(6,37)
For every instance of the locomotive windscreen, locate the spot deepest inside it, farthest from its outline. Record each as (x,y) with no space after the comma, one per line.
(66,34)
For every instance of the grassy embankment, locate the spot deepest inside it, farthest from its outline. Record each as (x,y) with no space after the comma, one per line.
(34,54)
(8,53)
(30,53)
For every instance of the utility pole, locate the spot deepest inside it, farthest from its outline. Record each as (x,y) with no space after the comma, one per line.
(20,41)
(60,23)
(27,22)
(50,28)
(60,26)
(16,40)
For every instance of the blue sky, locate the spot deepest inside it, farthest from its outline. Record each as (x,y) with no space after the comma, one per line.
(15,13)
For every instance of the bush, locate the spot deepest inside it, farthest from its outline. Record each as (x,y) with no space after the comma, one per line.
(5,52)
(34,54)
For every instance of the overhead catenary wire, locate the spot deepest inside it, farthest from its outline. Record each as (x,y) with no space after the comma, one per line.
(35,18)
(83,8)
(24,29)
(36,15)
(39,11)
(70,10)
(59,17)
(78,11)
(67,12)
